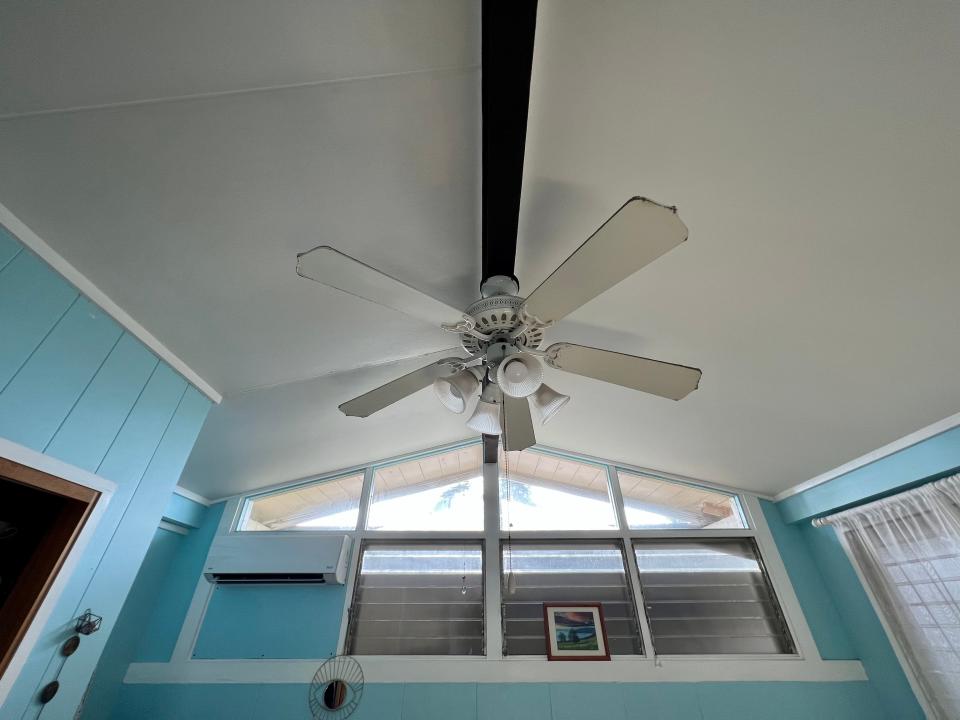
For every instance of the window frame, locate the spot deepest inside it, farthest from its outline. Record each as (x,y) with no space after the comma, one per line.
(362,545)
(631,586)
(246,504)
(768,581)
(747,505)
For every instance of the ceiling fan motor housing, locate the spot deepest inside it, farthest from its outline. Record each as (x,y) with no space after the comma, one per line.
(499,316)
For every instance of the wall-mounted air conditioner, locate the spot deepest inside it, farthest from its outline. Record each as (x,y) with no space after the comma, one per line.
(290,558)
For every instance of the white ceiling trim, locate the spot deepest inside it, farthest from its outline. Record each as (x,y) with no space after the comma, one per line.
(191,495)
(240,91)
(33,241)
(896,446)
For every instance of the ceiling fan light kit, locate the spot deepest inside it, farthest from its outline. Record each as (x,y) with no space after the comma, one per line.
(547,402)
(519,375)
(501,333)
(486,418)
(454,392)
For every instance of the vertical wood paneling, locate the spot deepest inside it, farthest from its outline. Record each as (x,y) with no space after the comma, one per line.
(45,389)
(92,425)
(32,299)
(125,464)
(129,545)
(74,385)
(9,247)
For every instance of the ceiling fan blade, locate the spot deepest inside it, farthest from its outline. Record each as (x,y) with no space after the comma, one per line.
(507,55)
(636,235)
(334,269)
(517,424)
(385,395)
(649,376)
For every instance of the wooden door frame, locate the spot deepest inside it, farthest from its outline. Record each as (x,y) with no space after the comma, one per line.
(55,470)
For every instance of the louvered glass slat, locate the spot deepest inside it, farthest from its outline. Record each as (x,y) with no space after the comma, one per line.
(709,598)
(418,599)
(565,572)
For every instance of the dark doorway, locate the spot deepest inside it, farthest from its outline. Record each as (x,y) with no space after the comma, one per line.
(40,518)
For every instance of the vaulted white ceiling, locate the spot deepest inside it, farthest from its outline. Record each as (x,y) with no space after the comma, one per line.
(180,154)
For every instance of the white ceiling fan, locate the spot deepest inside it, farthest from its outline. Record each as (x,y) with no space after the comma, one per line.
(502,332)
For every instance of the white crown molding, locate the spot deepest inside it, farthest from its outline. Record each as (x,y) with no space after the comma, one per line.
(33,241)
(914,438)
(191,495)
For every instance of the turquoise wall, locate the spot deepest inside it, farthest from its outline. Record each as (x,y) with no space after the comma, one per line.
(933,458)
(817,553)
(271,621)
(76,386)
(157,604)
(516,701)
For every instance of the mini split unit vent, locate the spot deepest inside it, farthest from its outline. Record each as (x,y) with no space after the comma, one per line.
(290,558)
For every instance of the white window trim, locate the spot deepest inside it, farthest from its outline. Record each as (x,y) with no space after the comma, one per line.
(805,665)
(44,463)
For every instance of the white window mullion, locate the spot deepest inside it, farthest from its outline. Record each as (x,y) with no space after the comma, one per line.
(633,575)
(493,630)
(355,557)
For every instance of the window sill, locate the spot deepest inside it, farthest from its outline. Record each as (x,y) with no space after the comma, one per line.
(418,669)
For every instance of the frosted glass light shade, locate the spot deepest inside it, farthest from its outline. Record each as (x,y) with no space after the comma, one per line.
(455,391)
(486,418)
(519,375)
(547,402)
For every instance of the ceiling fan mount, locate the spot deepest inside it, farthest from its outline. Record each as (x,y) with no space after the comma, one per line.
(499,317)
(502,332)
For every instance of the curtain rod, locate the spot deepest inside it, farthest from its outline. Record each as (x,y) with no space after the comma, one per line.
(882,502)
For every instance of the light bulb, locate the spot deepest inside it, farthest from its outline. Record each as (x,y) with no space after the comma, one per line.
(515,371)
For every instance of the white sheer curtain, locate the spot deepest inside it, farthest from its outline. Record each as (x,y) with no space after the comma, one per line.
(908,549)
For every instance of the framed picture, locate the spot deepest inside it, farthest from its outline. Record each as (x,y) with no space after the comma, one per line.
(575,632)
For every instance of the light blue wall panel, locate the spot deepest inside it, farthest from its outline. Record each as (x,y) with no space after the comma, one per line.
(125,638)
(661,701)
(74,385)
(243,702)
(183,511)
(869,638)
(519,701)
(576,701)
(826,625)
(125,463)
(42,393)
(271,621)
(148,625)
(92,425)
(459,701)
(9,247)
(32,299)
(159,635)
(787,701)
(440,701)
(136,443)
(932,458)
(123,557)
